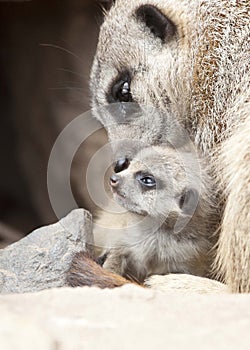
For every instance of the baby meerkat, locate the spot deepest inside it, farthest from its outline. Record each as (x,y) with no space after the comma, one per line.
(167,227)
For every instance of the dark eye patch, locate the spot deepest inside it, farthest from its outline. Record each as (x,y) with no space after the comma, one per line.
(160,25)
(120,89)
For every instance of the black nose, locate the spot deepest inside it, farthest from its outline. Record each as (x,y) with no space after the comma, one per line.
(115,180)
(121,165)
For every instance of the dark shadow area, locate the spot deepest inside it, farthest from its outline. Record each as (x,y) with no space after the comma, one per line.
(46,52)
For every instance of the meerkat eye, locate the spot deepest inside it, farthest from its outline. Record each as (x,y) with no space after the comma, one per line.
(120,90)
(160,25)
(146,180)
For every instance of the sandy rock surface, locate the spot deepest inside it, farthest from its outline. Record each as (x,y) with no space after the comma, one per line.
(40,260)
(185,284)
(125,318)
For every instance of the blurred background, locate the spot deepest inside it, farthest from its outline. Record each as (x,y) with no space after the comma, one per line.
(46,52)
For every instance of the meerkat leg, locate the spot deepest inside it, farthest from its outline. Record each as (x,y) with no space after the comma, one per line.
(116,262)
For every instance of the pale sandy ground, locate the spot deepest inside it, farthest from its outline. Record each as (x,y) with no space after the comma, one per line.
(125,318)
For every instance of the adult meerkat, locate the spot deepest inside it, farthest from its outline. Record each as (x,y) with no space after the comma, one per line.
(167,228)
(191,59)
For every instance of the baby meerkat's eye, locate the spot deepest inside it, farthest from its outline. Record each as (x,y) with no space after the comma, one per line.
(120,90)
(146,180)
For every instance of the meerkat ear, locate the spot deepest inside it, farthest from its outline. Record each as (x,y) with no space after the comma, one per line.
(160,25)
(188,201)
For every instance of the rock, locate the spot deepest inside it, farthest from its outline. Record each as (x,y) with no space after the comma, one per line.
(129,317)
(41,259)
(185,284)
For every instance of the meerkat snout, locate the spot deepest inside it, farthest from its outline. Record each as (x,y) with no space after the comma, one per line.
(114,181)
(121,164)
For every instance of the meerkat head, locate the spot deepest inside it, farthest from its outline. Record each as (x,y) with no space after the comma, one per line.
(142,59)
(158,182)
(142,52)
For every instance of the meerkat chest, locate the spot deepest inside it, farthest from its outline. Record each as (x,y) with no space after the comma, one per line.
(159,252)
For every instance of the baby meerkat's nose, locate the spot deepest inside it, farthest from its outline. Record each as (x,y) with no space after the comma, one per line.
(114,181)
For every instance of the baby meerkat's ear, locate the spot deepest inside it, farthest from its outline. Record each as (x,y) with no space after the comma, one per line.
(188,201)
(160,25)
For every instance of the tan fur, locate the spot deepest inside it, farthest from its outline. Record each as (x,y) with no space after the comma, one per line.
(204,73)
(234,244)
(84,271)
(222,89)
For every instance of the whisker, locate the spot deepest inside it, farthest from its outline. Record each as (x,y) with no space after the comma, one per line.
(132,278)
(69,83)
(70,71)
(103,9)
(62,49)
(66,88)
